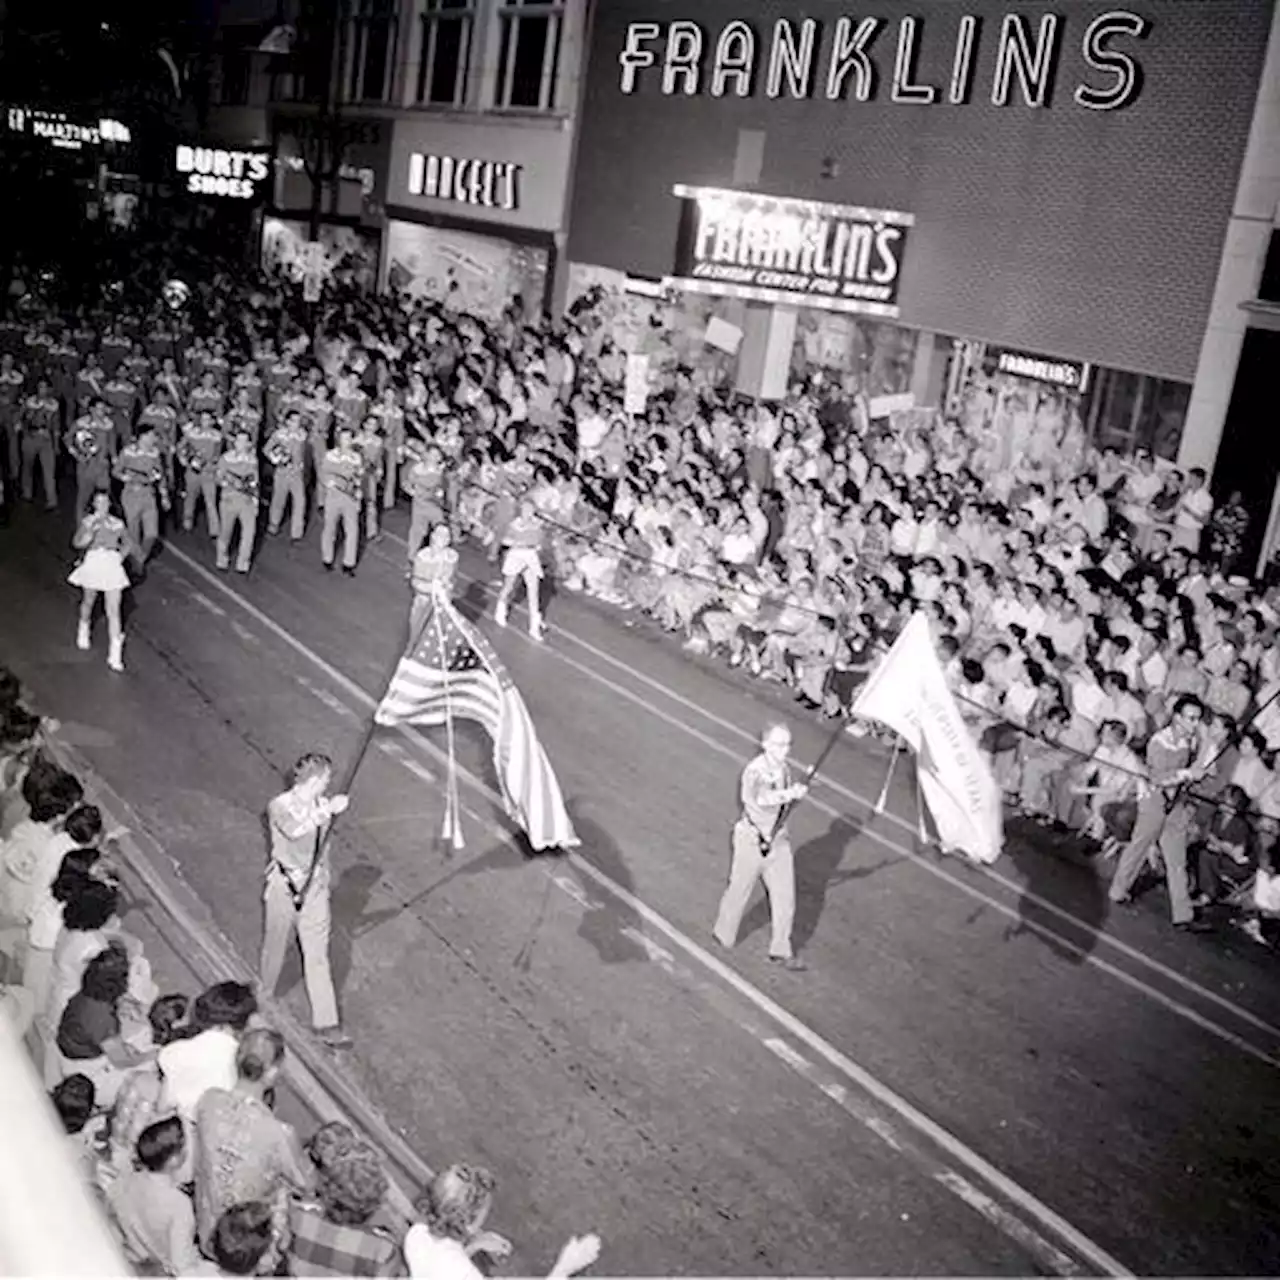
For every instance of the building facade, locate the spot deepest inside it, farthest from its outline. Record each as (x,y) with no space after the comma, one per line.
(1064,203)
(445,144)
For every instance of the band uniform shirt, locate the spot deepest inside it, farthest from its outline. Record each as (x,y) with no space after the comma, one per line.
(432,567)
(238,472)
(425,482)
(288,444)
(342,472)
(204,444)
(760,776)
(370,445)
(296,838)
(163,420)
(138,467)
(11,381)
(41,415)
(89,384)
(120,394)
(206,399)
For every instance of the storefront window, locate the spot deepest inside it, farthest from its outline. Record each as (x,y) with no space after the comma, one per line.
(447,26)
(370,50)
(530,54)
(1128,411)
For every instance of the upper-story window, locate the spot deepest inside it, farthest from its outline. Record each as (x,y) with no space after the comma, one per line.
(441,74)
(529,53)
(368,61)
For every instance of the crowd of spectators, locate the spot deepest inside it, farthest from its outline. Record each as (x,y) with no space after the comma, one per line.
(169,1102)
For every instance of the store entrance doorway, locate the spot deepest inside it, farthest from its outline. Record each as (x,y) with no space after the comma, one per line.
(1249,457)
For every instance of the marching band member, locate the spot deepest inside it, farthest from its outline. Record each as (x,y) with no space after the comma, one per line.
(433,573)
(89,383)
(350,403)
(161,419)
(103,538)
(342,480)
(244,416)
(171,382)
(369,442)
(317,413)
(392,415)
(286,451)
(237,475)
(522,561)
(279,377)
(91,442)
(137,365)
(38,428)
(198,450)
(11,380)
(207,398)
(429,490)
(122,400)
(140,470)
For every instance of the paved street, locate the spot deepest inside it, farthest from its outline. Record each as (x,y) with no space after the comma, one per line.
(981,1074)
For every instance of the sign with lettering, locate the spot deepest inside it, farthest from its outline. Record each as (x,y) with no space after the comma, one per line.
(216,171)
(843,61)
(58,130)
(488,184)
(1071,375)
(772,249)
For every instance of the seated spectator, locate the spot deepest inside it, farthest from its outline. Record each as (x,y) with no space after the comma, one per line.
(155,1219)
(244,1241)
(75,1101)
(243,1152)
(1222,849)
(205,1058)
(333,1236)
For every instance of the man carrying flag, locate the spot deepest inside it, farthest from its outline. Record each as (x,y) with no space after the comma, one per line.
(908,693)
(450,670)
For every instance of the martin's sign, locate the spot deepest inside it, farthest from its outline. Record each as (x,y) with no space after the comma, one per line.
(58,130)
(838,257)
(1071,375)
(216,171)
(488,184)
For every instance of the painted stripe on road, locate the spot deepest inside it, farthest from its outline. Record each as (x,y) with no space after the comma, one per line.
(1188,984)
(1045,1218)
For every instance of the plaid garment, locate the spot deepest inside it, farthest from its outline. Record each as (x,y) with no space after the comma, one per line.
(323,1248)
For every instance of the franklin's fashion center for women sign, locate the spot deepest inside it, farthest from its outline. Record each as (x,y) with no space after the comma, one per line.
(772,249)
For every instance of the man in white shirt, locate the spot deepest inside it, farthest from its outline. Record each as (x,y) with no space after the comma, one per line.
(1191,515)
(208,1059)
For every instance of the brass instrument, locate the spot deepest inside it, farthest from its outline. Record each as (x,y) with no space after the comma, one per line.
(278,452)
(83,445)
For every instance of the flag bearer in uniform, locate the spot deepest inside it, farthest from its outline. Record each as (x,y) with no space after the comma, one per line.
(104,540)
(342,483)
(140,470)
(427,485)
(522,561)
(199,450)
(38,427)
(286,451)
(433,572)
(762,849)
(92,443)
(373,451)
(11,380)
(296,897)
(1166,813)
(238,481)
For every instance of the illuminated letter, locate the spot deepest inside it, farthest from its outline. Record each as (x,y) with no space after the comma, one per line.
(792,57)
(904,65)
(887,251)
(735,59)
(962,66)
(186,159)
(680,64)
(1035,70)
(634,58)
(1126,70)
(849,53)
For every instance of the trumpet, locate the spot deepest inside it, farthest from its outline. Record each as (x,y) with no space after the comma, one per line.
(84,444)
(278,453)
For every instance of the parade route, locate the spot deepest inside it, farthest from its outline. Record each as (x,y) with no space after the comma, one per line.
(981,1074)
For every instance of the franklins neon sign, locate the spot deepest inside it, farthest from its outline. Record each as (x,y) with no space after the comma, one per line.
(855,59)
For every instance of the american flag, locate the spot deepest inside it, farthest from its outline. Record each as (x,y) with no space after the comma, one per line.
(452,668)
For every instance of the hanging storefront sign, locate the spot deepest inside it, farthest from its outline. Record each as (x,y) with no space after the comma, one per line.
(223,173)
(774,249)
(488,184)
(58,130)
(1071,375)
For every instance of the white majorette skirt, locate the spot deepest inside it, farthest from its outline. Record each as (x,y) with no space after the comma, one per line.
(100,570)
(522,560)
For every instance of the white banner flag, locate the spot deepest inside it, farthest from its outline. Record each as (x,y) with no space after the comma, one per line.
(908,693)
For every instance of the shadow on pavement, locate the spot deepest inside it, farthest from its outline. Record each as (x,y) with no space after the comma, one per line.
(609,925)
(351,918)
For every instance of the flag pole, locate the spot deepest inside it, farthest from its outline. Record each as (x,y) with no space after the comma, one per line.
(452,830)
(349,776)
(883,798)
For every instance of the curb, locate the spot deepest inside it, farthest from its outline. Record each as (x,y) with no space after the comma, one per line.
(322,1087)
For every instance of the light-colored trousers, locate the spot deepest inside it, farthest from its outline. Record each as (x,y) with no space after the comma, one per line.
(311,922)
(199,485)
(288,486)
(339,509)
(237,509)
(750,865)
(1168,833)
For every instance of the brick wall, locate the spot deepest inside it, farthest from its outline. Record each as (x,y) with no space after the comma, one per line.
(1092,235)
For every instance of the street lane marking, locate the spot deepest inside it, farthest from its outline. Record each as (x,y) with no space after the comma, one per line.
(1026,1201)
(205,603)
(1188,984)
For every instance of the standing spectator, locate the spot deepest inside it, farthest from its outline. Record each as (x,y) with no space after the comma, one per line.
(1192,512)
(1227,529)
